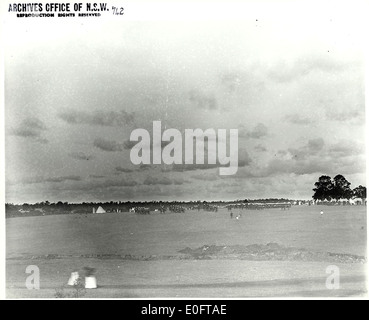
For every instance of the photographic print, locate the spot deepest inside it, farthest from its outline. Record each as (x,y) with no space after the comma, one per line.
(180,150)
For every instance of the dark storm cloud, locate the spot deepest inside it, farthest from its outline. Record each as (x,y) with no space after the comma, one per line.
(298,119)
(128,144)
(347,148)
(356,116)
(30,128)
(323,165)
(205,177)
(250,81)
(124,170)
(150,181)
(258,132)
(104,184)
(116,183)
(96,176)
(286,72)
(25,181)
(34,123)
(157,180)
(140,168)
(193,167)
(260,148)
(35,180)
(80,156)
(144,167)
(63,179)
(98,118)
(108,145)
(299,167)
(313,147)
(243,160)
(163,144)
(179,182)
(317,157)
(202,101)
(231,81)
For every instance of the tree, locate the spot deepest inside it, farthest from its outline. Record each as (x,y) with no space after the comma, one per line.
(341,188)
(323,190)
(360,192)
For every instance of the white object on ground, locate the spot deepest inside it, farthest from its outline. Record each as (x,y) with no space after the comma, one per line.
(90,283)
(73,279)
(100,210)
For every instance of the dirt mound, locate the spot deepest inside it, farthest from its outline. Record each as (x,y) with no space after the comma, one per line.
(270,251)
(257,252)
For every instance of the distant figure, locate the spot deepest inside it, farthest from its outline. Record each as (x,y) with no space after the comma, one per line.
(231,215)
(321,212)
(73,280)
(90,279)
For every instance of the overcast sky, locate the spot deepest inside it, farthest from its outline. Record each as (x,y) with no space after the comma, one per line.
(74,92)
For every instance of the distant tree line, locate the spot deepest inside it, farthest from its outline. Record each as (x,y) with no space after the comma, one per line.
(338,188)
(60,207)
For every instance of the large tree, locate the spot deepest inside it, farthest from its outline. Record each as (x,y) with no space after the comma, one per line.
(341,188)
(360,192)
(323,190)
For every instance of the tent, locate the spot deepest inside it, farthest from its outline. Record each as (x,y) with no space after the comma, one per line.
(100,210)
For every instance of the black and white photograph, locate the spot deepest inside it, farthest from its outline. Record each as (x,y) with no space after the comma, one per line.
(184,150)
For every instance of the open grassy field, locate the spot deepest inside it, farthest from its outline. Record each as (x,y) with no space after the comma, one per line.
(138,255)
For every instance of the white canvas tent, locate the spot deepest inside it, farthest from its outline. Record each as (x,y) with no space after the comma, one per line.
(100,210)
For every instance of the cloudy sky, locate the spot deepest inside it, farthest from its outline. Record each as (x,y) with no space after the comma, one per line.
(292,84)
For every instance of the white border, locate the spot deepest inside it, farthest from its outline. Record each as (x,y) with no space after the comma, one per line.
(187,11)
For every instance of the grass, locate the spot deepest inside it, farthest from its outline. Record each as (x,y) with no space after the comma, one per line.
(339,230)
